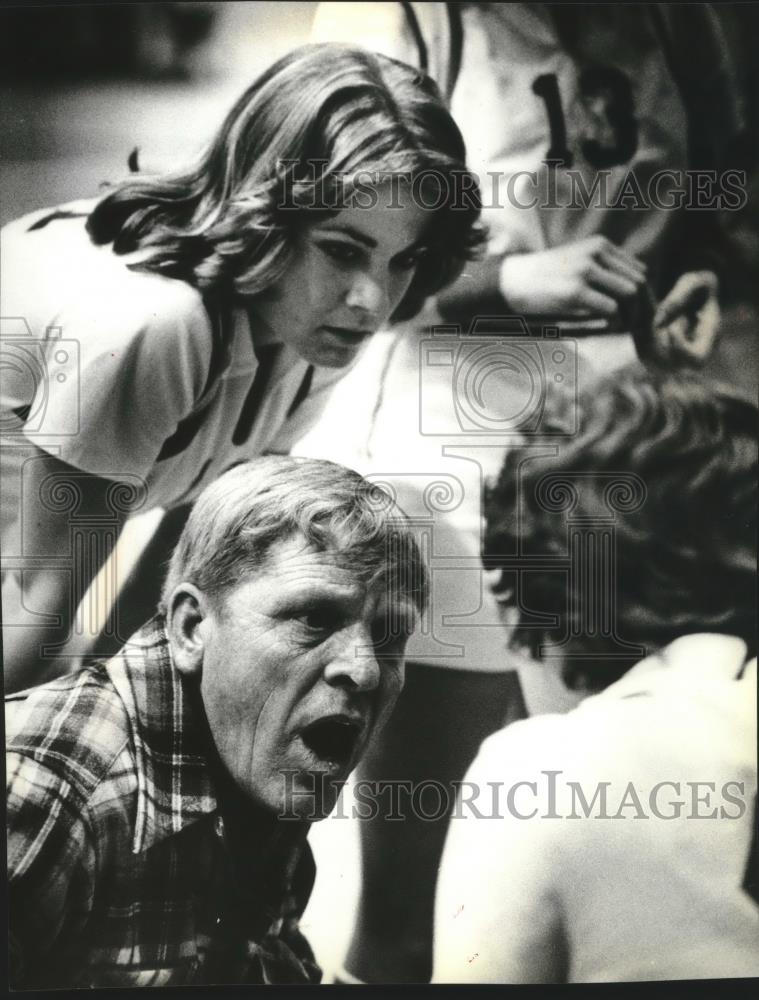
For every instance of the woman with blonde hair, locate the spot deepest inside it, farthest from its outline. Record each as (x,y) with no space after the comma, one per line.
(187,322)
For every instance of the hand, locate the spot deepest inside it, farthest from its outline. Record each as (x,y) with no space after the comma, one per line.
(586,278)
(687,320)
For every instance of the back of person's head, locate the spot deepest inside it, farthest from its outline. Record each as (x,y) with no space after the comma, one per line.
(237,520)
(682,512)
(292,142)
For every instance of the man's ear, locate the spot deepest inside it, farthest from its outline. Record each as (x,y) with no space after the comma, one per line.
(186,611)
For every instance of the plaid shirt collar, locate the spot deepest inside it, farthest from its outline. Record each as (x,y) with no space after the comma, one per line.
(174,785)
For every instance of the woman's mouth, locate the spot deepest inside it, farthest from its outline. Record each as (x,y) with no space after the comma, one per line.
(348,336)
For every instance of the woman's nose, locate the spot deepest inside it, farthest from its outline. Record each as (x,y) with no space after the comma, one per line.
(368,294)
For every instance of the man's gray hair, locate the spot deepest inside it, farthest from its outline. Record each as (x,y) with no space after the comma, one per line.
(256,504)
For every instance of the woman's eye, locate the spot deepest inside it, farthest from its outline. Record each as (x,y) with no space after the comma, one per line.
(342,252)
(409,261)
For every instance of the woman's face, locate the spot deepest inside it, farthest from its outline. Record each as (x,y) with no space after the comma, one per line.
(347,276)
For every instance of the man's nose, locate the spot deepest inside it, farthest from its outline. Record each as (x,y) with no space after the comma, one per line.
(368,294)
(354,662)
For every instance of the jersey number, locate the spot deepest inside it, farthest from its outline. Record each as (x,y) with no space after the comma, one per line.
(606,93)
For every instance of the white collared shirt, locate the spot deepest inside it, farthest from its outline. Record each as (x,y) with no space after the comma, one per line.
(111,361)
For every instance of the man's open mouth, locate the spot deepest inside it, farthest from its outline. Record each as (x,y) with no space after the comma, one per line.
(332,739)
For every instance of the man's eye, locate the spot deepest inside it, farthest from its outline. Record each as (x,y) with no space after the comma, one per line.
(345,253)
(319,620)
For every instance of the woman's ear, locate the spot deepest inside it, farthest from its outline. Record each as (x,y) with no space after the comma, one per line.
(186,612)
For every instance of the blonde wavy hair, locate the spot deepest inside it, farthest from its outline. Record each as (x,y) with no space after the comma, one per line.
(298,136)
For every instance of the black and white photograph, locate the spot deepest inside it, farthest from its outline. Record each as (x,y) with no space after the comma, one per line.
(378,438)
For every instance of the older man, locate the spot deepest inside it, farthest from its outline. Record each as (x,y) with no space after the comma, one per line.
(158,804)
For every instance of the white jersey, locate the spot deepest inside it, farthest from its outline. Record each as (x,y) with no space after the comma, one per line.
(617,838)
(605,112)
(113,371)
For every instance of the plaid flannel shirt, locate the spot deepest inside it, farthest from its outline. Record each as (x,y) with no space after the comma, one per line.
(118,864)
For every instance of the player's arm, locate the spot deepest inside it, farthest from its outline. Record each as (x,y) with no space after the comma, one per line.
(591,277)
(141,374)
(45,573)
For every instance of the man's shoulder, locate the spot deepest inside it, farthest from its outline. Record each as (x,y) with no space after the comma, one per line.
(75,726)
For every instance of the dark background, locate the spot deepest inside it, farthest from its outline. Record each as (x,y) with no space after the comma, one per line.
(82,85)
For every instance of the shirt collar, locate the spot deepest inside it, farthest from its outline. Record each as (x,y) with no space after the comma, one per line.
(246,341)
(174,786)
(708,657)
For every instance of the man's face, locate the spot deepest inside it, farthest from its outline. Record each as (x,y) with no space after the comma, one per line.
(299,670)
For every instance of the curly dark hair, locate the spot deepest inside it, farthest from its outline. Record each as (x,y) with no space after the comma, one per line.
(671,463)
